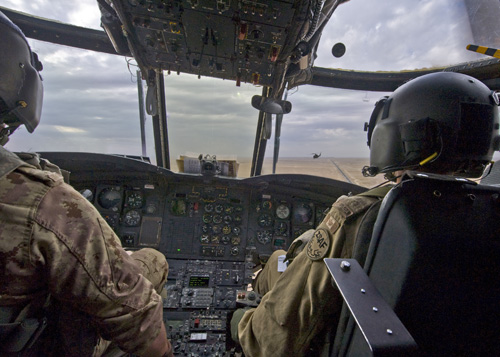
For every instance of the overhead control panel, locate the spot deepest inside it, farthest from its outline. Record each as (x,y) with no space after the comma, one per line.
(242,40)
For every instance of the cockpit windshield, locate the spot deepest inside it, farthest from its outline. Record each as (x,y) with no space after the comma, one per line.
(91,99)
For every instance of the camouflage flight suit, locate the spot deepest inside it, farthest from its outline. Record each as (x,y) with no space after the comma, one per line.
(300,305)
(53,241)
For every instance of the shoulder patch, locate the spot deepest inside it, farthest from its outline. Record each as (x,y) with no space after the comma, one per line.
(318,246)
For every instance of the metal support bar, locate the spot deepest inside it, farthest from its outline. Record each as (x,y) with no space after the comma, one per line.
(381,328)
(160,124)
(260,143)
(277,136)
(142,113)
(60,33)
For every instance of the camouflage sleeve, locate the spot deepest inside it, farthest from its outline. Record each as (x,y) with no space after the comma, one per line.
(88,269)
(297,313)
(292,313)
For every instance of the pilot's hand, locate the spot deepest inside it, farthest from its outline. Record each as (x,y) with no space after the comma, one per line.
(235,320)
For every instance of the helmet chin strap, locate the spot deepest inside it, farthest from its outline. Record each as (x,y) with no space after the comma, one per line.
(8,121)
(4,134)
(429,159)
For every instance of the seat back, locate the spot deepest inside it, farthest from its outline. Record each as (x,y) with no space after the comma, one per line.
(435,258)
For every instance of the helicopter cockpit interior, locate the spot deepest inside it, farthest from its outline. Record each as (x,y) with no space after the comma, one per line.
(212,223)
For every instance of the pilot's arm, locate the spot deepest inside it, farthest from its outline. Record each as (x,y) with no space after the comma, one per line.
(296,315)
(88,270)
(292,313)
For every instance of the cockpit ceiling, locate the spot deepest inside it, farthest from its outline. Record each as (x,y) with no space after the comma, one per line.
(244,41)
(486,70)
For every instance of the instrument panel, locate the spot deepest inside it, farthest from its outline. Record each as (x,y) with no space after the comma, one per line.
(203,221)
(212,230)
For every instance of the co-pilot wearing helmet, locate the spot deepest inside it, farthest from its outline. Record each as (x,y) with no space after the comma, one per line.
(63,273)
(445,123)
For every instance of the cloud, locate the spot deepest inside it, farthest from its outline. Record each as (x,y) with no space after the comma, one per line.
(68,129)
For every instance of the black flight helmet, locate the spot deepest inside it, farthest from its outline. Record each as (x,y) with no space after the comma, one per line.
(21,88)
(446,121)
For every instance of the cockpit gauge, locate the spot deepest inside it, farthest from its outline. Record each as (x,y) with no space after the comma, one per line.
(178,207)
(88,194)
(134,199)
(267,205)
(110,198)
(206,228)
(151,208)
(216,229)
(264,237)
(302,213)
(132,218)
(209,207)
(265,220)
(205,239)
(282,228)
(282,211)
(226,230)
(235,240)
(111,219)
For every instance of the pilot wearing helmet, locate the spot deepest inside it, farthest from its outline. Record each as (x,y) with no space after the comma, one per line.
(67,287)
(444,123)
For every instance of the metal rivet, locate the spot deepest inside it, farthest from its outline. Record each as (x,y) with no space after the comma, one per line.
(389,331)
(375,309)
(437,193)
(363,291)
(471,196)
(345,265)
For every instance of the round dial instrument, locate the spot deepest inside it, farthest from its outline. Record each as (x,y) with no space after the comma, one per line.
(302,213)
(282,211)
(132,218)
(110,198)
(135,199)
(265,220)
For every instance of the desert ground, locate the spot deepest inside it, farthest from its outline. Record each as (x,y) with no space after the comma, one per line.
(343,169)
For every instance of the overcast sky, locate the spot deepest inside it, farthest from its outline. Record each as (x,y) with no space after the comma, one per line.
(90,101)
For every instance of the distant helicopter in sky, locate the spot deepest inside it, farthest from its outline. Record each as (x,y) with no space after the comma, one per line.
(315,156)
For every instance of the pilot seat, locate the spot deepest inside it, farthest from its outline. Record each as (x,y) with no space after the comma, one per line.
(434,261)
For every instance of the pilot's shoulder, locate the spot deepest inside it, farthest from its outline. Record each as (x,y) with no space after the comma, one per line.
(38,176)
(348,206)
